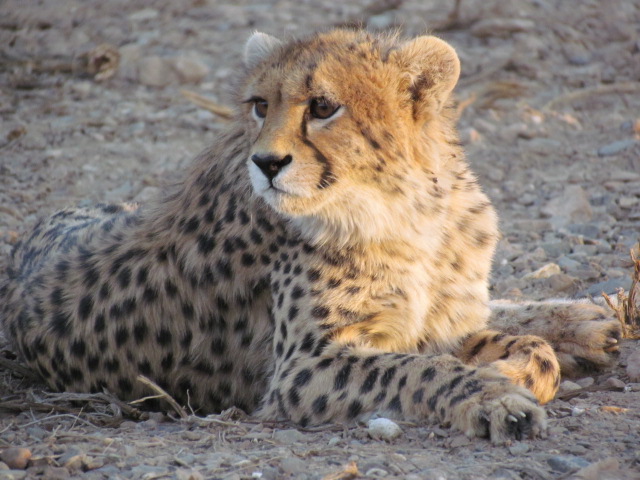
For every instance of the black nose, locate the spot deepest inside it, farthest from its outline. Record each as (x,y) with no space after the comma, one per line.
(270,164)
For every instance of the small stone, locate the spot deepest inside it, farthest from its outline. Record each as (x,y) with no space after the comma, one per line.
(633,366)
(382,21)
(544,272)
(333,441)
(144,14)
(566,463)
(293,466)
(572,206)
(376,473)
(289,436)
(501,27)
(614,382)
(577,411)
(14,474)
(383,429)
(615,147)
(577,54)
(4,466)
(459,441)
(189,70)
(628,202)
(519,448)
(156,72)
(561,282)
(568,386)
(610,286)
(17,458)
(585,382)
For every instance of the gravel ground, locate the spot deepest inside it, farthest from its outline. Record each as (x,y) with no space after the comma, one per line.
(549,100)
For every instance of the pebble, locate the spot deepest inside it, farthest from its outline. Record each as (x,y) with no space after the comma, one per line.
(608,286)
(633,366)
(289,436)
(12,474)
(519,448)
(585,382)
(614,382)
(572,206)
(381,21)
(17,458)
(566,463)
(615,147)
(544,272)
(383,429)
(154,71)
(144,14)
(568,386)
(189,70)
(294,466)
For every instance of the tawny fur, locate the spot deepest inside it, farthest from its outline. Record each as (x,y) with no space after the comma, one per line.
(332,282)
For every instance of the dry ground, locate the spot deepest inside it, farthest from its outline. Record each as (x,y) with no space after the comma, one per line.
(550,95)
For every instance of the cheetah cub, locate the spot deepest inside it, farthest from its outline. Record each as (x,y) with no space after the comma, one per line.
(327,259)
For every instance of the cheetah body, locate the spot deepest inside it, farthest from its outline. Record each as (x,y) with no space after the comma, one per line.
(310,268)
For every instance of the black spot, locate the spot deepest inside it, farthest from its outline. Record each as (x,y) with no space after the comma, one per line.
(164,337)
(224,268)
(302,378)
(354,409)
(248,259)
(428,374)
(283,331)
(91,277)
(294,397)
(292,349)
(387,376)
(99,323)
(342,377)
(185,342)
(478,347)
(307,342)
(370,381)
(57,297)
(418,395)
(144,367)
(192,225)
(170,288)
(125,386)
(124,277)
(313,275)
(402,382)
(206,243)
(93,362)
(61,324)
(122,335)
(78,348)
(140,332)
(544,365)
(188,310)
(85,307)
(324,363)
(395,404)
(112,365)
(167,361)
(279,349)
(319,405)
(320,347)
(320,312)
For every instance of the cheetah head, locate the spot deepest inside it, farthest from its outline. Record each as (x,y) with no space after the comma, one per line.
(346,129)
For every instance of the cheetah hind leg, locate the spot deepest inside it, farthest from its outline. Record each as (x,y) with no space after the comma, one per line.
(585,336)
(527,360)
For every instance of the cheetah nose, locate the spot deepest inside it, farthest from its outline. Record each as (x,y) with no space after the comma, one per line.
(270,164)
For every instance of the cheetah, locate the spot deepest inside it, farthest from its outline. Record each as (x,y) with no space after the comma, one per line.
(327,259)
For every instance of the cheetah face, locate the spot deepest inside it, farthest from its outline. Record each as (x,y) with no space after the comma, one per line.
(333,125)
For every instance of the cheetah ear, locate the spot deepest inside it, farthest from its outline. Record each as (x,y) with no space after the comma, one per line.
(259,47)
(433,70)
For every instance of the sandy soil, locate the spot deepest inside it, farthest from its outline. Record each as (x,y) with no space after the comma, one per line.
(549,98)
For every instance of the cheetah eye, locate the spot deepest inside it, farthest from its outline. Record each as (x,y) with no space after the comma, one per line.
(260,107)
(322,108)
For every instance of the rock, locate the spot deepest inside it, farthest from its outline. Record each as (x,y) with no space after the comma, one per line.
(383,429)
(501,27)
(561,282)
(566,463)
(143,15)
(293,466)
(155,71)
(570,207)
(17,458)
(628,202)
(130,56)
(376,473)
(12,474)
(519,448)
(382,21)
(608,286)
(633,366)
(189,70)
(568,386)
(614,382)
(615,147)
(544,272)
(585,382)
(577,54)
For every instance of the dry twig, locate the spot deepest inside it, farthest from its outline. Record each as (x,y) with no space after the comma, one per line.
(349,472)
(222,111)
(625,87)
(162,393)
(626,308)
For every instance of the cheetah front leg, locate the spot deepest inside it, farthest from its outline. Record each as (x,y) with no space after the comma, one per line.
(528,360)
(337,383)
(584,335)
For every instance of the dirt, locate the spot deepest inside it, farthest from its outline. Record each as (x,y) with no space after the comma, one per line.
(549,102)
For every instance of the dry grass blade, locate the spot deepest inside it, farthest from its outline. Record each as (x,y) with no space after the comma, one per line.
(626,87)
(349,472)
(170,400)
(203,102)
(626,307)
(591,388)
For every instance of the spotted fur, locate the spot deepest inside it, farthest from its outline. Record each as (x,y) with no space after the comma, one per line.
(326,259)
